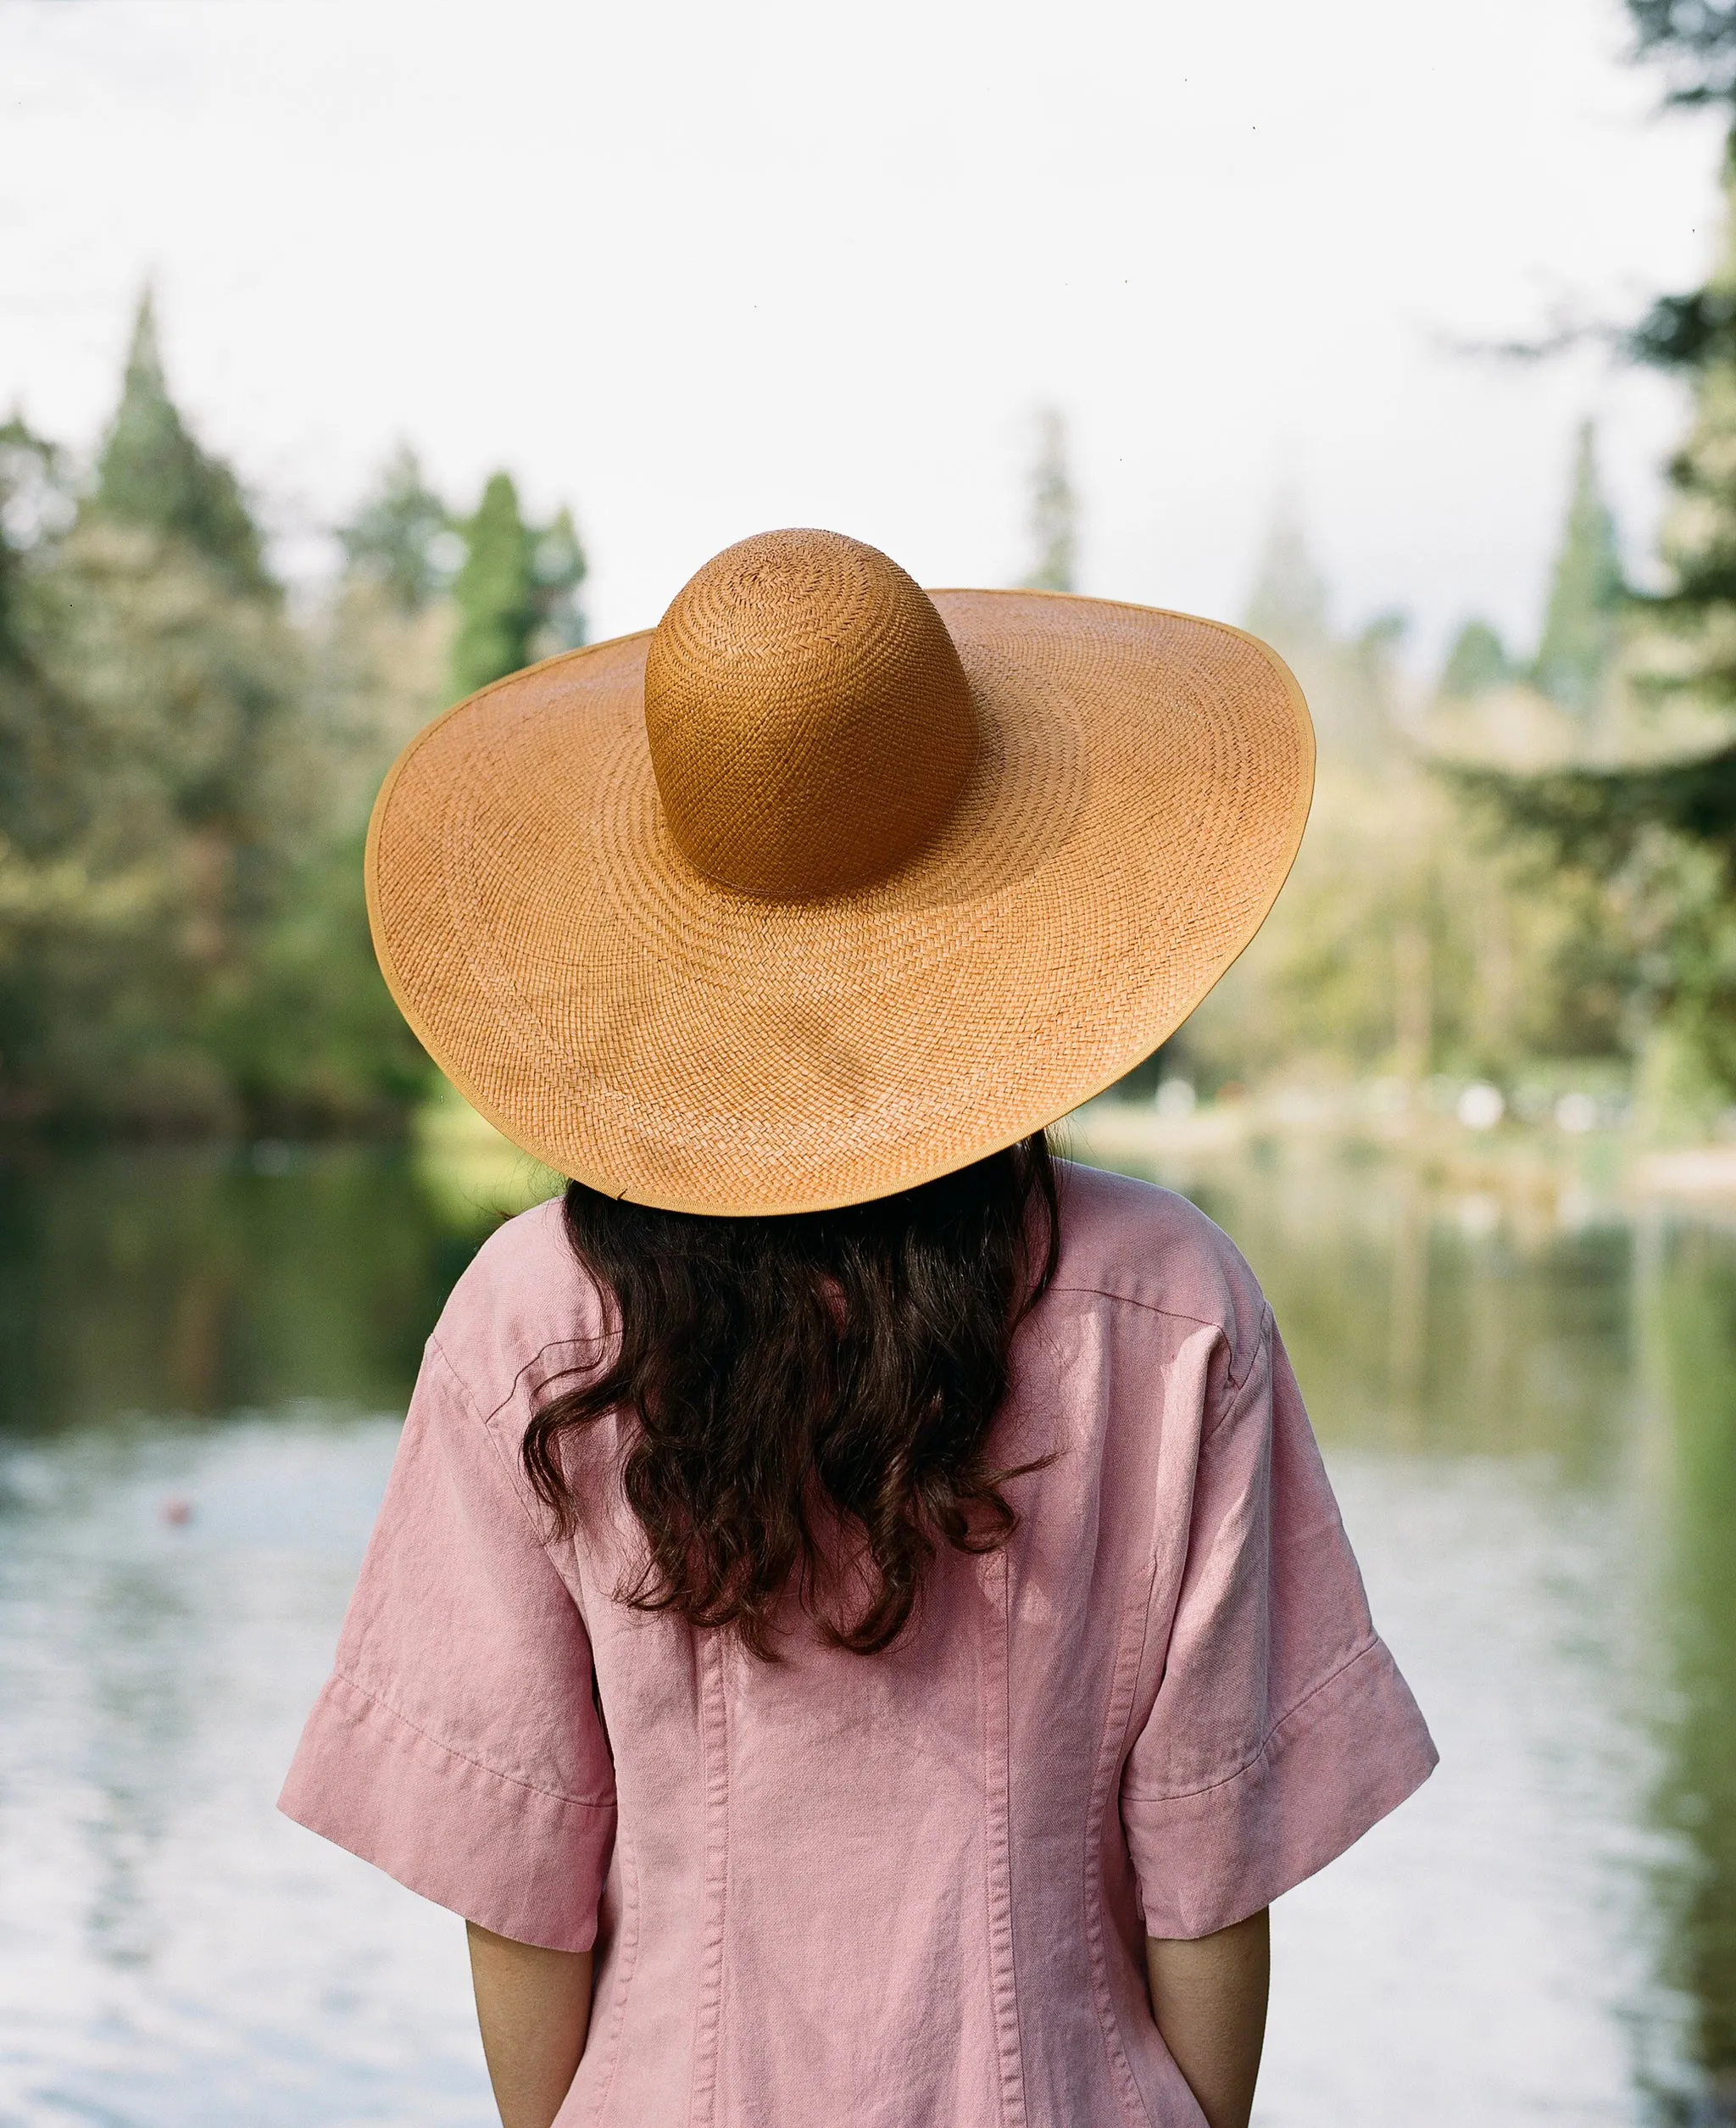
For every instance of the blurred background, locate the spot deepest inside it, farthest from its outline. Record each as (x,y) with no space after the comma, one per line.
(360,354)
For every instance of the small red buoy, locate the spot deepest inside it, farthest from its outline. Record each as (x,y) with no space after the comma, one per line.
(177,1512)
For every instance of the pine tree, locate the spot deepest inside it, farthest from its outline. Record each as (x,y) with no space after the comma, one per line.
(153,475)
(399,535)
(1661,840)
(183,941)
(1054,508)
(495,592)
(31,489)
(44,765)
(1697,540)
(1586,595)
(1477,662)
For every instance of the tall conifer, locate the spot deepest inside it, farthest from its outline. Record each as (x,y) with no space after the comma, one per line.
(1477,662)
(1586,595)
(398,536)
(1697,540)
(495,592)
(152,474)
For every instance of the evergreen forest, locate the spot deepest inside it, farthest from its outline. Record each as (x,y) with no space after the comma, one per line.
(1527,871)
(188,758)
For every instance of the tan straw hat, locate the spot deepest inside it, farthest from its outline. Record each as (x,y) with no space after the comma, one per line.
(827,885)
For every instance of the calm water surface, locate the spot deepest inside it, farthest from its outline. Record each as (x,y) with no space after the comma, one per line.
(1531,1419)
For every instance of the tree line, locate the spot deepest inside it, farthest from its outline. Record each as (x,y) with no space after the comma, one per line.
(1530,874)
(186,762)
(1423,934)
(1653,840)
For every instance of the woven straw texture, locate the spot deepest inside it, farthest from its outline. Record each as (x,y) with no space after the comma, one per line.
(1128,790)
(809,722)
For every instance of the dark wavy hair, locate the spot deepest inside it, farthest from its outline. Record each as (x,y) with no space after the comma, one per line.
(809,1397)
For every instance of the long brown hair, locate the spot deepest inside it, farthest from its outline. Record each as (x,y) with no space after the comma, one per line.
(809,1397)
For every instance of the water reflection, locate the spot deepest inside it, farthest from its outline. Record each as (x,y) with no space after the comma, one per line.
(1532,1422)
(207,1283)
(1687,1313)
(1437,1323)
(202,1360)
(1542,1400)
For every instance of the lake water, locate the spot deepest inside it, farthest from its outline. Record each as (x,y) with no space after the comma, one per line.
(1530,1414)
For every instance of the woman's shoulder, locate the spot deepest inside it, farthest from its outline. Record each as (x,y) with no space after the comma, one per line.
(1135,1243)
(523,1297)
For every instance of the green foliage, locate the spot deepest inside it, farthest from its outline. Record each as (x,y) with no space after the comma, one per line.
(1054,508)
(1586,595)
(1657,844)
(186,769)
(1419,933)
(1686,331)
(517,596)
(1697,41)
(183,943)
(1697,614)
(39,764)
(398,539)
(1477,662)
(152,473)
(376,674)
(1599,816)
(34,503)
(1656,848)
(495,593)
(179,797)
(311,1040)
(1577,665)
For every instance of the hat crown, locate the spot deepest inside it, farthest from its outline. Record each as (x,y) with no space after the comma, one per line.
(809,722)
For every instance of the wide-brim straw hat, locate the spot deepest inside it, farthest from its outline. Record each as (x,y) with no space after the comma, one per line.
(826,885)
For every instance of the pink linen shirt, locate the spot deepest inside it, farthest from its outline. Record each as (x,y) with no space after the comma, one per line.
(902,1890)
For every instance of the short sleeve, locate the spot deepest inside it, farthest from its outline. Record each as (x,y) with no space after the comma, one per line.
(457,1744)
(1281,1729)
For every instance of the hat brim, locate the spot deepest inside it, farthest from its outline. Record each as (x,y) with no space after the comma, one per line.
(1141,784)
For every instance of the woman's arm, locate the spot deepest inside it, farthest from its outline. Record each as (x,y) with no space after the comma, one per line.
(534,2008)
(1209,1997)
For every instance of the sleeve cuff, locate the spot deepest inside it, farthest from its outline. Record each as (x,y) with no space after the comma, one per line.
(525,1863)
(1338,1763)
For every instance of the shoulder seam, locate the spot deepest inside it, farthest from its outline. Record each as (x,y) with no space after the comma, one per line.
(1129,1300)
(485,1421)
(494,1410)
(1179,1315)
(1232,1387)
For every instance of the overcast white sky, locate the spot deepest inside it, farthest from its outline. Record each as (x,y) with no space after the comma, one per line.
(701,267)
